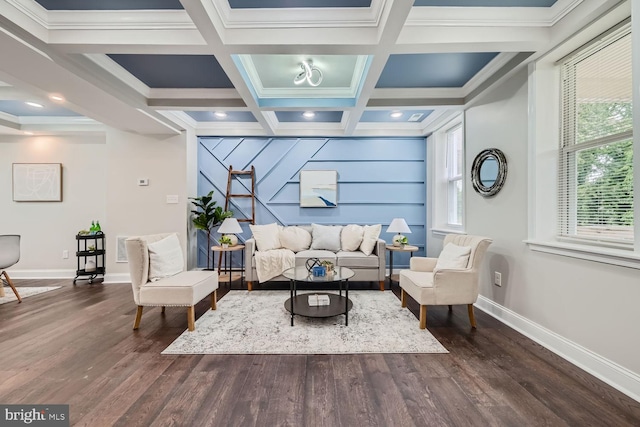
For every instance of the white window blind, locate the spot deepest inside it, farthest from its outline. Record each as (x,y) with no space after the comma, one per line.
(596,148)
(455,154)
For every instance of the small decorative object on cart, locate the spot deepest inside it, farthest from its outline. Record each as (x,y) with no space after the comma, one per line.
(317,300)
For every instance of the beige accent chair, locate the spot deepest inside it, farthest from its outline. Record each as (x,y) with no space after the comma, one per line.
(185,289)
(445,286)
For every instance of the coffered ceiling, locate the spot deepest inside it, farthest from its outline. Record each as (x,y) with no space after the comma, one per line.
(355,67)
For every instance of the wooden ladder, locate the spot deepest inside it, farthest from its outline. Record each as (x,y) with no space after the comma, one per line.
(252,194)
(238,174)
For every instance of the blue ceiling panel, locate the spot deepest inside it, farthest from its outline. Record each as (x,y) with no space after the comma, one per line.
(109,4)
(432,69)
(277,4)
(175,71)
(377,116)
(232,116)
(486,3)
(320,117)
(19,108)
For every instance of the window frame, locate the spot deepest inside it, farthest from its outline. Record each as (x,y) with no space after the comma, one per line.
(441,177)
(570,147)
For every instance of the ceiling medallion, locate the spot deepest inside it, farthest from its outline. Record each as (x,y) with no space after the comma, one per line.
(310,74)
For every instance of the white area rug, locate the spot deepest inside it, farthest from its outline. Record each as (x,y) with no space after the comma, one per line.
(257,323)
(25,292)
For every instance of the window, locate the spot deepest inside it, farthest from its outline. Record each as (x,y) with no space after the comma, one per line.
(448,176)
(454,175)
(596,145)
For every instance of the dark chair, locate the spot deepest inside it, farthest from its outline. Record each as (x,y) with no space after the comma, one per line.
(9,255)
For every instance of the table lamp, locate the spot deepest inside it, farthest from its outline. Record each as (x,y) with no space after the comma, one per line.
(398,225)
(229,228)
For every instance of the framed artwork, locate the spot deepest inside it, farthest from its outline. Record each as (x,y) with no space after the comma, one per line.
(318,189)
(37,182)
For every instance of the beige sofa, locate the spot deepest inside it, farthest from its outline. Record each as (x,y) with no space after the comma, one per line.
(368,268)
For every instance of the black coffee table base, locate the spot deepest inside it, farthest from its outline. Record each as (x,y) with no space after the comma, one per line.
(337,305)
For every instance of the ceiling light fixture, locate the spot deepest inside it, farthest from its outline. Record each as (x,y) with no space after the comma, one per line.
(396,114)
(26,132)
(220,114)
(308,114)
(56,98)
(310,74)
(34,104)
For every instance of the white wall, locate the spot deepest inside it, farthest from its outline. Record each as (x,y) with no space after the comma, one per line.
(137,210)
(48,228)
(100,174)
(591,306)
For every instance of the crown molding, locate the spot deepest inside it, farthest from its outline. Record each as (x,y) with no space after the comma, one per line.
(312,17)
(119,20)
(491,16)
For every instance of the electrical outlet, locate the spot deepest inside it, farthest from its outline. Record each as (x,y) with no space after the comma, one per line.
(65,254)
(497,280)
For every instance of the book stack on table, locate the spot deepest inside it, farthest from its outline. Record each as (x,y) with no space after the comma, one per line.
(317,300)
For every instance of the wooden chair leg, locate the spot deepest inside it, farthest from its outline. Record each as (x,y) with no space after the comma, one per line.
(423,317)
(450,308)
(1,289)
(136,323)
(472,318)
(163,308)
(13,287)
(403,298)
(382,285)
(249,286)
(214,299)
(191,318)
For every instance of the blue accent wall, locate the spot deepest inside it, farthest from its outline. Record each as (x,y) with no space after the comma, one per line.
(378,179)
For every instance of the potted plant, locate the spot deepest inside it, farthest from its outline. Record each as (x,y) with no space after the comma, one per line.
(206,216)
(225,241)
(328,265)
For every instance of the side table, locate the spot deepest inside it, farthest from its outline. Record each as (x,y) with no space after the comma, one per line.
(230,274)
(406,248)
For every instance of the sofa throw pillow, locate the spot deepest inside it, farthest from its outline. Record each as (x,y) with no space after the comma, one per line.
(267,236)
(165,258)
(295,239)
(370,238)
(453,257)
(326,237)
(351,237)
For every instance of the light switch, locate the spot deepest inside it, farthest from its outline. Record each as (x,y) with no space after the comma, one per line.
(173,199)
(143,181)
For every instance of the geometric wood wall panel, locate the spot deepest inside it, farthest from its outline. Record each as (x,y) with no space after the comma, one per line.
(378,179)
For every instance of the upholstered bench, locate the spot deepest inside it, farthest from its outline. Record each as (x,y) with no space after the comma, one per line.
(158,278)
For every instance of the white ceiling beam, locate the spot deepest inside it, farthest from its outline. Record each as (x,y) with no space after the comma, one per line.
(394,16)
(205,18)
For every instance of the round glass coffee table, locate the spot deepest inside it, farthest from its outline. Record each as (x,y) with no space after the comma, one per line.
(338,304)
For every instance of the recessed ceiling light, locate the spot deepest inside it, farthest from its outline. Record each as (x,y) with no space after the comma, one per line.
(56,98)
(220,114)
(308,114)
(396,114)
(34,104)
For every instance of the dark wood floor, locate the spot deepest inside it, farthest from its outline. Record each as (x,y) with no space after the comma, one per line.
(76,346)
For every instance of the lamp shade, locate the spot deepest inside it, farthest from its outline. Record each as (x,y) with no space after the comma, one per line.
(230,226)
(398,225)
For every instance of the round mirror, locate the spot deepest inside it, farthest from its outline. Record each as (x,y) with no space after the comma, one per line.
(488,172)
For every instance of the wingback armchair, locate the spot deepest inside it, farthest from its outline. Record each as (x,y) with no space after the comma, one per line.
(177,288)
(439,281)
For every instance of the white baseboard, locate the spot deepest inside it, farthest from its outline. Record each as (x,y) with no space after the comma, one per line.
(65,274)
(42,274)
(117,278)
(604,369)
